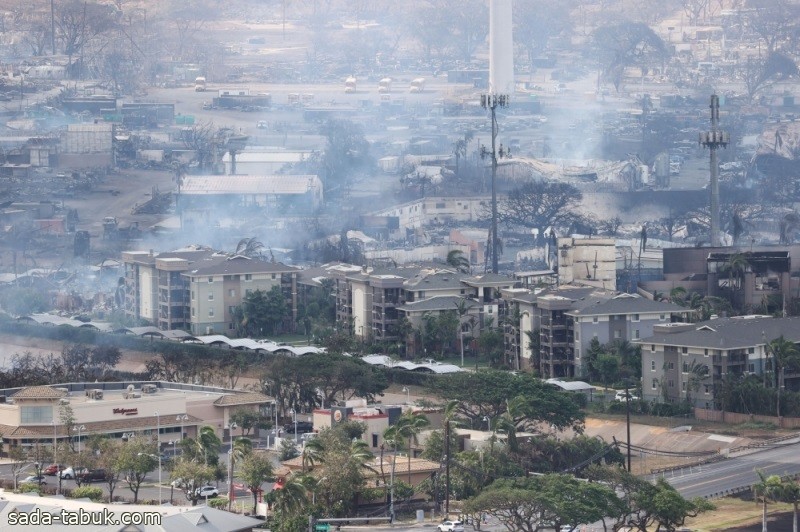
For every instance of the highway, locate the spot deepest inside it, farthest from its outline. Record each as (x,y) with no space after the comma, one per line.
(721,478)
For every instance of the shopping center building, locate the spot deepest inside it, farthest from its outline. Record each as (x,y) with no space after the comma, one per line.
(121,410)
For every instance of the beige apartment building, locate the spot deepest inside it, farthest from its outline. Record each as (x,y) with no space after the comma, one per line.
(198,290)
(121,410)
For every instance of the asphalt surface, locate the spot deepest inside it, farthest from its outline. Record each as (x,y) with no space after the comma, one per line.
(727,476)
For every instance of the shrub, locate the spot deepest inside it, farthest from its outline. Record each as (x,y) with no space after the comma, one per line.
(29,487)
(88,492)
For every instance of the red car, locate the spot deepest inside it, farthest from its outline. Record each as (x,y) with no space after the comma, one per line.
(52,469)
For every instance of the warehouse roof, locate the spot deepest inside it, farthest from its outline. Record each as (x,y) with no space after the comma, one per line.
(249,184)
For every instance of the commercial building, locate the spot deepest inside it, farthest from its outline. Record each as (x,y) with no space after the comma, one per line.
(31,415)
(303,192)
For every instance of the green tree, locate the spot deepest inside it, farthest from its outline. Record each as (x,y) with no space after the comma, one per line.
(248,420)
(107,459)
(134,461)
(608,368)
(256,468)
(263,311)
(784,354)
(790,492)
(408,426)
(486,394)
(188,475)
(767,489)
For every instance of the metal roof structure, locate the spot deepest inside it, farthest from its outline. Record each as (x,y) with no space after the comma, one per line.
(220,185)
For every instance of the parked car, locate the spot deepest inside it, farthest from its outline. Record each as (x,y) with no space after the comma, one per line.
(35,479)
(70,472)
(93,475)
(52,469)
(451,526)
(622,395)
(206,492)
(302,427)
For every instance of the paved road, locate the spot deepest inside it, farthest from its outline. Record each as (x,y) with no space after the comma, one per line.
(714,480)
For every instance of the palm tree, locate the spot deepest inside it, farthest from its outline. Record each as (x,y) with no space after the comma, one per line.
(292,496)
(457,260)
(312,453)
(766,490)
(678,296)
(408,426)
(697,374)
(208,443)
(249,247)
(790,492)
(784,353)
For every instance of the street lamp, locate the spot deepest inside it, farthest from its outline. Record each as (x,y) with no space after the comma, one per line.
(294,417)
(182,418)
(230,476)
(55,457)
(275,431)
(174,454)
(79,429)
(491,102)
(408,394)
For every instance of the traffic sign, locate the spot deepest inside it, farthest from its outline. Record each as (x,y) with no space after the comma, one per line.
(322,527)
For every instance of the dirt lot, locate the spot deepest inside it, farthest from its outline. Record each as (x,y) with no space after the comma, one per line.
(742,516)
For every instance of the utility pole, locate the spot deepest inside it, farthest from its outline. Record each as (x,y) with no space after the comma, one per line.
(447,468)
(491,102)
(53,27)
(628,420)
(713,140)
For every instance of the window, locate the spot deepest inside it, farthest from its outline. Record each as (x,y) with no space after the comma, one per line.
(654,385)
(652,365)
(374,440)
(617,334)
(211,296)
(274,276)
(192,295)
(231,293)
(653,348)
(708,390)
(440,205)
(230,326)
(751,350)
(594,319)
(634,317)
(636,334)
(577,336)
(210,279)
(211,312)
(685,368)
(683,386)
(671,365)
(490,310)
(36,414)
(671,384)
(248,277)
(705,352)
(662,317)
(192,311)
(751,368)
(684,350)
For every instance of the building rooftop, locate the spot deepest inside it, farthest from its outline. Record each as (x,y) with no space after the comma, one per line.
(172,518)
(39,392)
(440,280)
(439,303)
(235,265)
(249,184)
(625,304)
(730,333)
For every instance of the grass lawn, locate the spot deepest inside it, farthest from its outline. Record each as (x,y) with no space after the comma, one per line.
(732,513)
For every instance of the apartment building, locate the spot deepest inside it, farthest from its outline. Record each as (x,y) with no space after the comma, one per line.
(569,318)
(725,346)
(198,290)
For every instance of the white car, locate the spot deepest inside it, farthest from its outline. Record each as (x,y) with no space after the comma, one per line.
(72,472)
(451,526)
(622,394)
(207,492)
